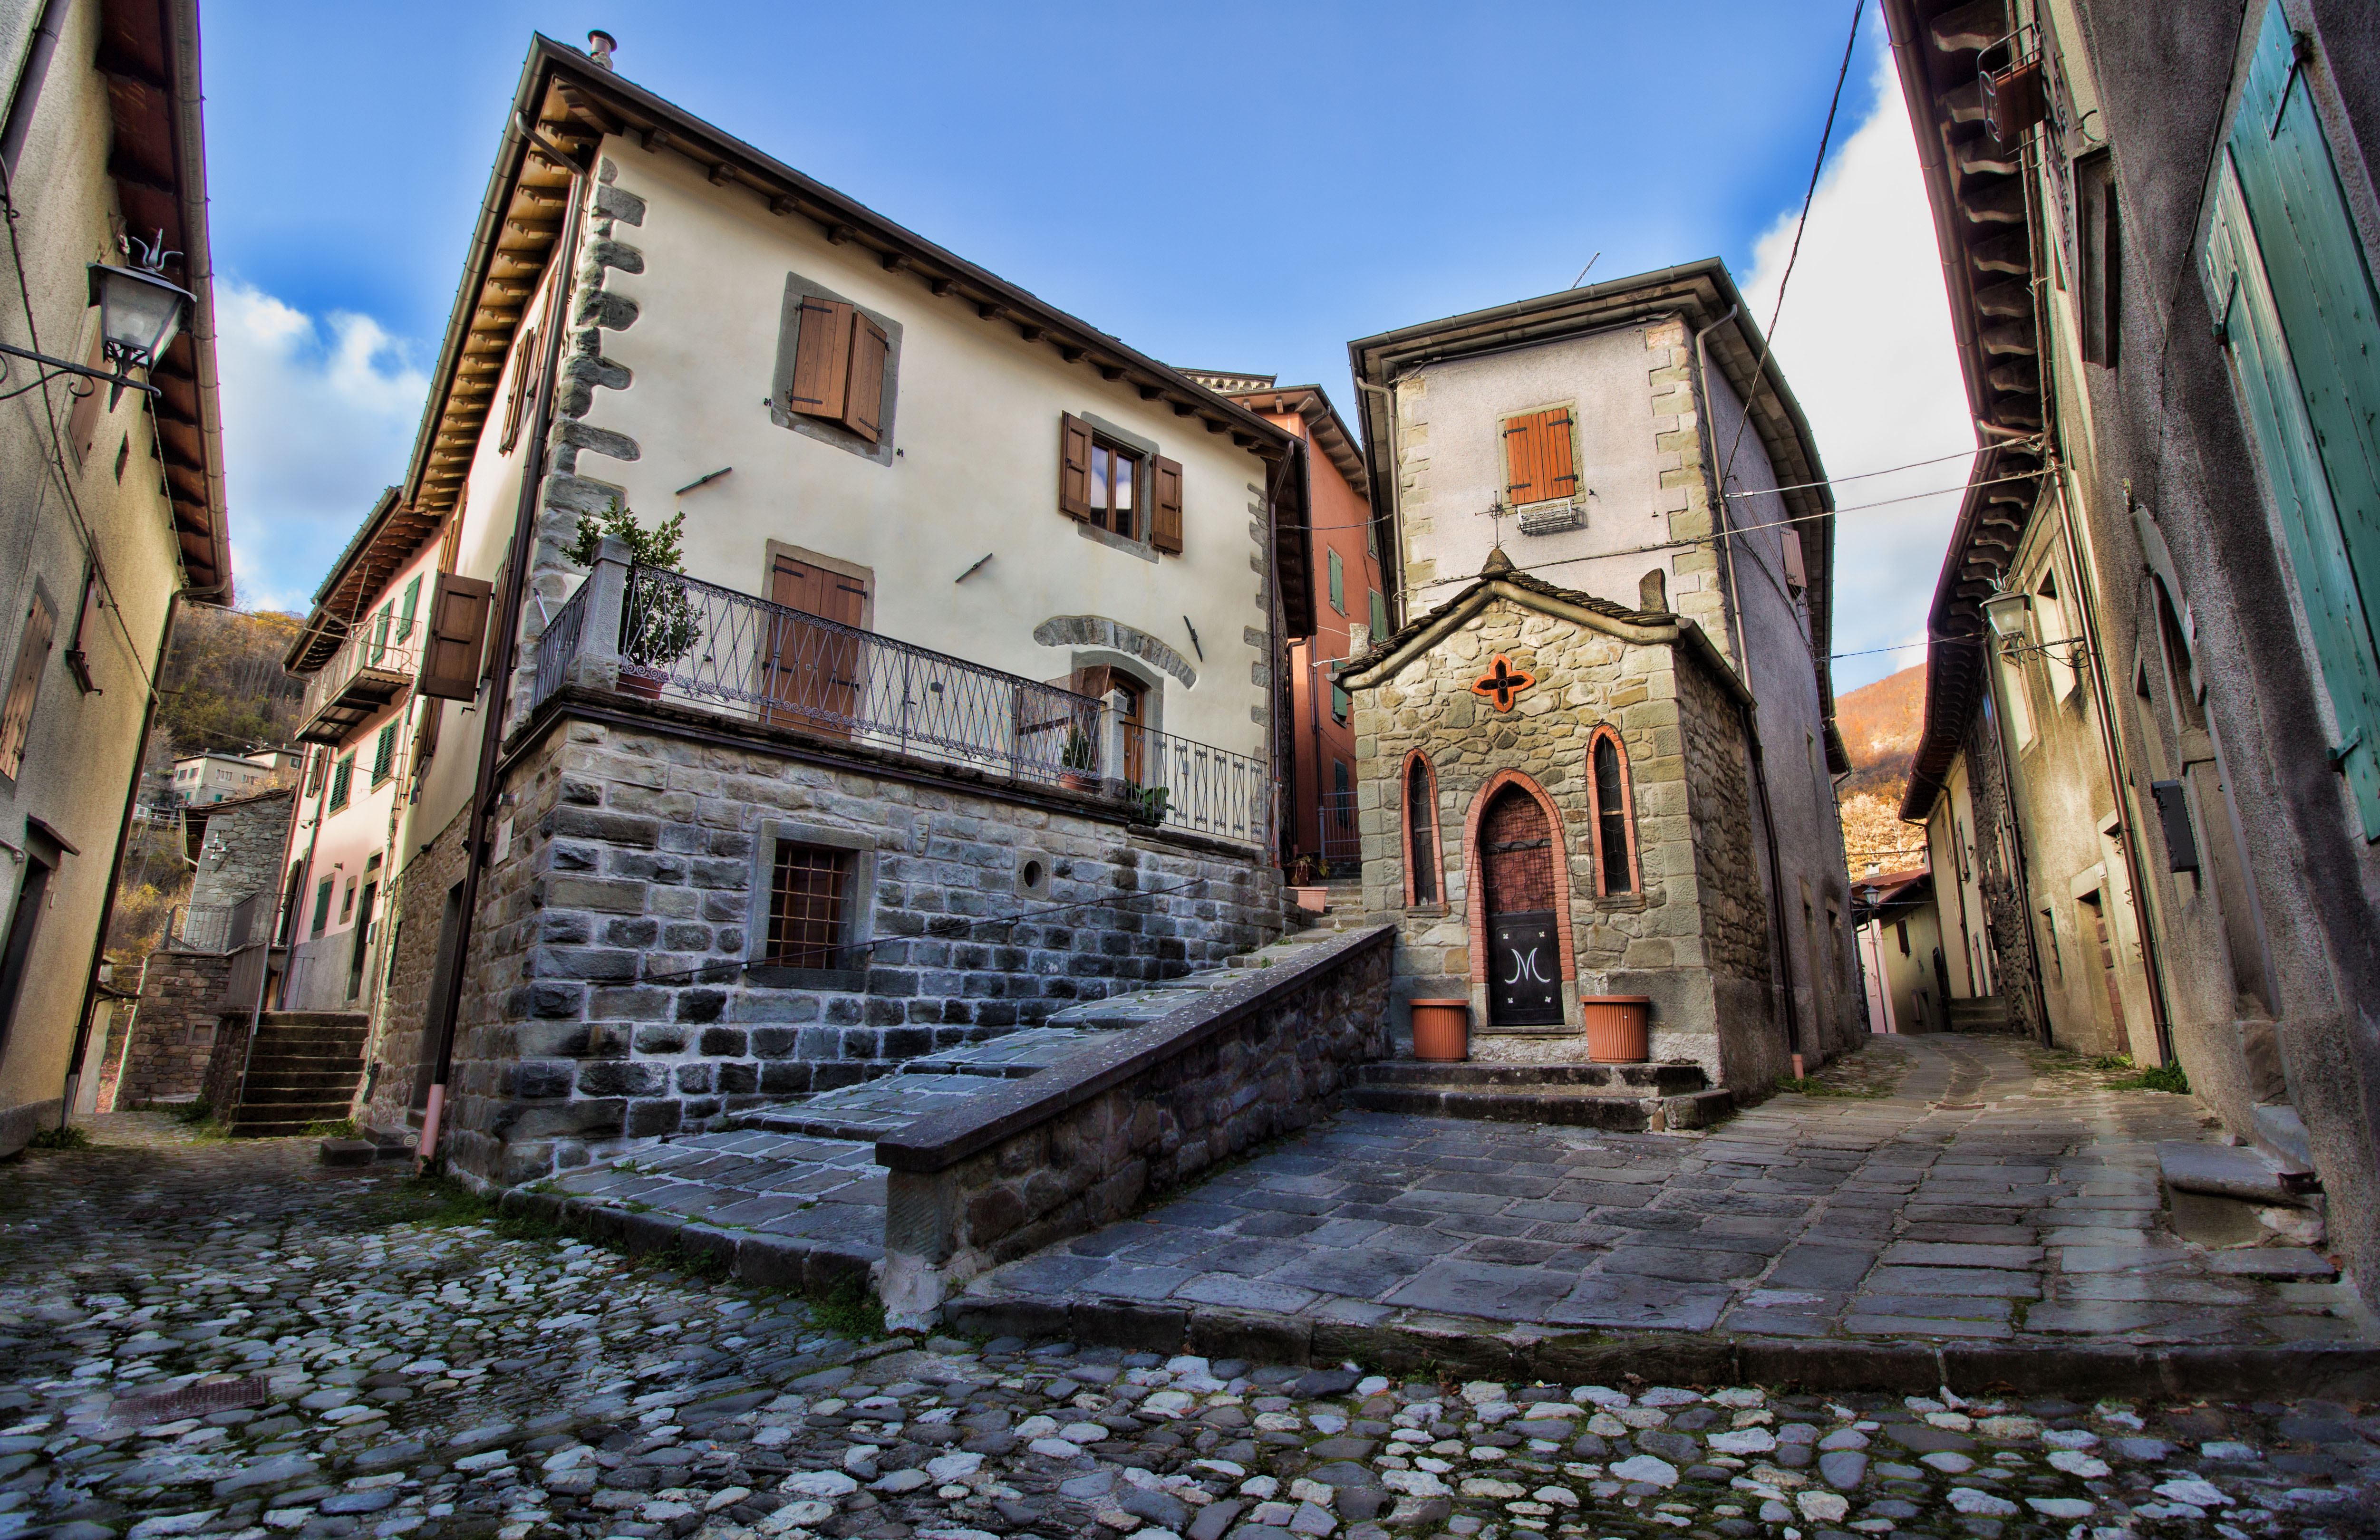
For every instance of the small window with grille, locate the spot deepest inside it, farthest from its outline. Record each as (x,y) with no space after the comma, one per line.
(810,908)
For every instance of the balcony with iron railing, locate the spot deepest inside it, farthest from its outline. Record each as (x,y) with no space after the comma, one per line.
(642,634)
(369,671)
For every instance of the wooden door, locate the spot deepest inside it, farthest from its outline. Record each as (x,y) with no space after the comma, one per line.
(820,673)
(1516,861)
(1133,718)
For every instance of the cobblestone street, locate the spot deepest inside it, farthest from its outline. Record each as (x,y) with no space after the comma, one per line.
(414,1372)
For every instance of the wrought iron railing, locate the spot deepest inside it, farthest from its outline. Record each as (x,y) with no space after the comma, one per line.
(368,647)
(680,638)
(1336,827)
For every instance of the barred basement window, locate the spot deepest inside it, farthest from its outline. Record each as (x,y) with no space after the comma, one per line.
(808,907)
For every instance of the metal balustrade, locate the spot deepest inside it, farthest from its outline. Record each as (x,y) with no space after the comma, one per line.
(664,636)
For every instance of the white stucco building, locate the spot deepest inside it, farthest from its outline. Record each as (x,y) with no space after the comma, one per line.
(975,621)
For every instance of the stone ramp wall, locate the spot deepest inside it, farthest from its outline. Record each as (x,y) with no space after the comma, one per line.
(1087,1141)
(173,1028)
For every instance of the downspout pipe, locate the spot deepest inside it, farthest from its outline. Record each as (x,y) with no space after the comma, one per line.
(28,94)
(446,1010)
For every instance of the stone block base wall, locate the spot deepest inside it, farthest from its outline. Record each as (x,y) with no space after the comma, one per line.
(173,1028)
(1092,1139)
(610,997)
(417,909)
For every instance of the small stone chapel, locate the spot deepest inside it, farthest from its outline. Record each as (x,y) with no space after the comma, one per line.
(1556,800)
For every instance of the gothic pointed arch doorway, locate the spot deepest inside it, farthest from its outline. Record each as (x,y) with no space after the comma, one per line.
(1521,874)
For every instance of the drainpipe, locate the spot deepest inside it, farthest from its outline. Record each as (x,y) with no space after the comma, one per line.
(1780,934)
(444,1010)
(115,865)
(1718,492)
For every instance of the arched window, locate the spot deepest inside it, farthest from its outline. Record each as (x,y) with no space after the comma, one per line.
(1615,820)
(1421,833)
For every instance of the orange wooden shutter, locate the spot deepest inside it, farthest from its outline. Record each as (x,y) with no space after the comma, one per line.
(822,360)
(1554,462)
(1521,453)
(458,631)
(863,410)
(1073,466)
(1165,522)
(32,653)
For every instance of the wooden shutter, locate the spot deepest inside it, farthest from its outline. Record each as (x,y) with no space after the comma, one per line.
(1338,584)
(1537,457)
(1797,576)
(82,421)
(863,410)
(33,654)
(2296,309)
(407,608)
(384,754)
(1379,615)
(523,354)
(458,625)
(1073,466)
(1165,506)
(822,360)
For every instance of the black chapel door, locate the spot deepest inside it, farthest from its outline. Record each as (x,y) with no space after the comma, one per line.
(1524,941)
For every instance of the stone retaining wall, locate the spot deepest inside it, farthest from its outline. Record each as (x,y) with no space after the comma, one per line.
(1087,1141)
(617,990)
(174,1030)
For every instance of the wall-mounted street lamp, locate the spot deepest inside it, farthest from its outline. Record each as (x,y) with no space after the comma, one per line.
(140,314)
(2006,611)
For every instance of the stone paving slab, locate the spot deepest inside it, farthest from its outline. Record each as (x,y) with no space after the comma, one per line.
(814,1193)
(1977,1203)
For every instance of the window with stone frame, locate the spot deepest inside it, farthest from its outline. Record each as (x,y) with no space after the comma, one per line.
(1616,870)
(810,907)
(1421,833)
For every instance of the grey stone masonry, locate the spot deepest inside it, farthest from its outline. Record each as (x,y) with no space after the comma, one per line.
(1207,1073)
(618,989)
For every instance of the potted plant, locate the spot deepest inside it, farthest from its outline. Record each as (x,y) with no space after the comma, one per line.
(658,625)
(1149,803)
(1076,761)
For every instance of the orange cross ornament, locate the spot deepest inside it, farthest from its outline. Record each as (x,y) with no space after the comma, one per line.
(1503,684)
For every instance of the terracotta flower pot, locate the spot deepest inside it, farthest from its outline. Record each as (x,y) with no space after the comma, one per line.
(1617,1027)
(1442,1030)
(640,684)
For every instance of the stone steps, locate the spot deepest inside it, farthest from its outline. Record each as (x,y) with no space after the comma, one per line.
(302,1068)
(1618,1098)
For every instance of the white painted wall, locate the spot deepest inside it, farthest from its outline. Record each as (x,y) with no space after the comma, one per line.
(976,430)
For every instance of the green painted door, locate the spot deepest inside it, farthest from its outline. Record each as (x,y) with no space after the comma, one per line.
(2294,303)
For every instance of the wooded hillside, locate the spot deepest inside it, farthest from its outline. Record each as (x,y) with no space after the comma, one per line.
(225,688)
(1880,724)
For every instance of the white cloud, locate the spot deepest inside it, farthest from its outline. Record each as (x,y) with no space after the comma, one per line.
(1865,340)
(318,418)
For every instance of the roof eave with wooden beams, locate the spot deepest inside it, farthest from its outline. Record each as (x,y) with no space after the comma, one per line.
(1988,231)
(149,55)
(564,106)
(391,536)
(1702,293)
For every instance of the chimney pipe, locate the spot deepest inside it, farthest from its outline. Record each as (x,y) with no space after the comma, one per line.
(600,44)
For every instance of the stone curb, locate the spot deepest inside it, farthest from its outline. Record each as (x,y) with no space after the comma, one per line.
(770,1261)
(1468,1348)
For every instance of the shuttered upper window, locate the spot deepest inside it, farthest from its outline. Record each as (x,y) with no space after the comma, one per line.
(1338,584)
(1118,488)
(1538,463)
(457,636)
(384,755)
(25,682)
(840,356)
(1379,615)
(407,608)
(342,780)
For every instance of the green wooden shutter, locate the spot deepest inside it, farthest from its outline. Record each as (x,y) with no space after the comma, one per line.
(1379,615)
(2294,303)
(342,778)
(384,754)
(1338,584)
(405,611)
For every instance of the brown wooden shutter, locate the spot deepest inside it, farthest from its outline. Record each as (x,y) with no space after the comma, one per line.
(458,631)
(523,355)
(1165,510)
(822,360)
(1073,466)
(863,410)
(1796,574)
(32,653)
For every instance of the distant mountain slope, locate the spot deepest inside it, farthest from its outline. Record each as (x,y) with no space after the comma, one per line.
(1880,724)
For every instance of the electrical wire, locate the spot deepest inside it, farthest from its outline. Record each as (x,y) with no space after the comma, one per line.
(1768,338)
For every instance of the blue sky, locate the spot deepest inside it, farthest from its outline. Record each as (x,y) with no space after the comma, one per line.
(1224,186)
